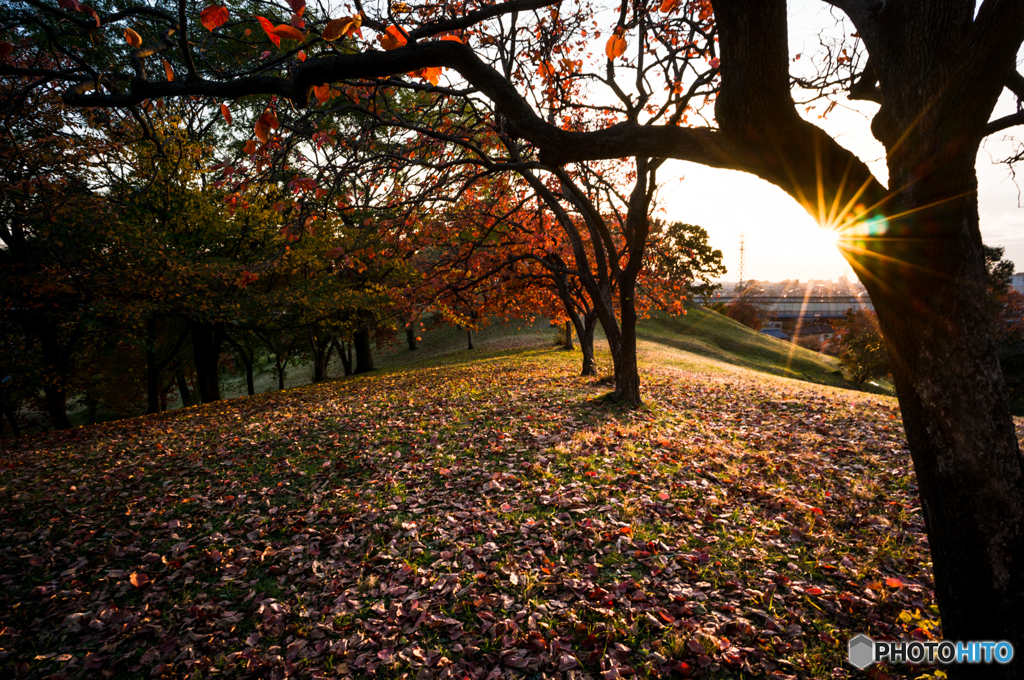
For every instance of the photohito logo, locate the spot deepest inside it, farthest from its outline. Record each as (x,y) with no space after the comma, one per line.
(864,651)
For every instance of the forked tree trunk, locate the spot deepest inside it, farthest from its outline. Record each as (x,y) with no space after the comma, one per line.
(956,414)
(345,354)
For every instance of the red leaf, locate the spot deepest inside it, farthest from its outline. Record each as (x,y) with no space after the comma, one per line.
(268,28)
(616,46)
(894,583)
(322,92)
(226,112)
(168,71)
(214,16)
(814,590)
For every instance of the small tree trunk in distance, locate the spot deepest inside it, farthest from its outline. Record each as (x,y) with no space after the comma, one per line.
(567,345)
(281,367)
(469,337)
(364,355)
(586,335)
(346,359)
(9,414)
(152,368)
(183,391)
(410,337)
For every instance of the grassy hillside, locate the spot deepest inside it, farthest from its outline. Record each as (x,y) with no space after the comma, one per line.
(486,518)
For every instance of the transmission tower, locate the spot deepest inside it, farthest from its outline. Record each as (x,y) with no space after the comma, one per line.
(743,257)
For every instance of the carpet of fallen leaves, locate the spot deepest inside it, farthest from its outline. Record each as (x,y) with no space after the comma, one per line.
(495,519)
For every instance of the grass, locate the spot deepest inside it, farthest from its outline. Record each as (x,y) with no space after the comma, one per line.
(473,511)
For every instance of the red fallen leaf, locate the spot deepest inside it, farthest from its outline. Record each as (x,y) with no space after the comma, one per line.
(817,511)
(683,669)
(814,590)
(139,580)
(214,16)
(226,112)
(666,617)
(664,495)
(894,583)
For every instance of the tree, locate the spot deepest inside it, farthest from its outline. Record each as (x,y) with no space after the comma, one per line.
(685,254)
(914,242)
(861,347)
(747,307)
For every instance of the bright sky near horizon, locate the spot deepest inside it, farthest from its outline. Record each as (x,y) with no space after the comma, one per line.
(782,240)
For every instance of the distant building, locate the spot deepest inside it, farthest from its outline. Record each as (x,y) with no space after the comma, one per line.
(1017,282)
(776,333)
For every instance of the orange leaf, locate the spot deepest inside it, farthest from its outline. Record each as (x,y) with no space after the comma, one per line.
(894,583)
(616,46)
(301,55)
(392,38)
(214,16)
(168,71)
(546,69)
(453,38)
(298,6)
(342,27)
(814,590)
(322,92)
(428,73)
(132,38)
(139,580)
(289,32)
(262,130)
(668,6)
(271,118)
(226,112)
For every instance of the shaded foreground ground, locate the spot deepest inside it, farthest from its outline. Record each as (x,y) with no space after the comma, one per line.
(487,519)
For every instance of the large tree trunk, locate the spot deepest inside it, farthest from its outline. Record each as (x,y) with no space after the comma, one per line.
(586,336)
(969,468)
(207,339)
(567,341)
(364,354)
(320,343)
(627,375)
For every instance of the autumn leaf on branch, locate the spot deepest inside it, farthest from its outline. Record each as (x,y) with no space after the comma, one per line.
(267,122)
(322,92)
(276,33)
(132,38)
(346,26)
(214,16)
(392,38)
(168,71)
(226,112)
(616,46)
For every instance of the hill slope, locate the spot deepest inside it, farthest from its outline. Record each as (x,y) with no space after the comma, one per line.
(487,518)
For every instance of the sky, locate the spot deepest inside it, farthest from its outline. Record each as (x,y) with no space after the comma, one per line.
(782,240)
